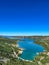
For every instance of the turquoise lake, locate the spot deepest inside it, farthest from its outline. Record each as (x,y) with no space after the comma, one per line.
(30,49)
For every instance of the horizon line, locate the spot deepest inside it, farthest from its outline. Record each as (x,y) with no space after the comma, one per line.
(24,34)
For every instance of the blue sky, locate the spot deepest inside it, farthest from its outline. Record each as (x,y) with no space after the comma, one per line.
(28,17)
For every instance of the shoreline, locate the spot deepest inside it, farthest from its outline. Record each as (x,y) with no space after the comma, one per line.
(20,52)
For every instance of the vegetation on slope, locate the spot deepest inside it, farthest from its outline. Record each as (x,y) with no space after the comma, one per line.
(7,56)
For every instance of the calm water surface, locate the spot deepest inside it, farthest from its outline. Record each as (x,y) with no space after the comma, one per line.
(30,49)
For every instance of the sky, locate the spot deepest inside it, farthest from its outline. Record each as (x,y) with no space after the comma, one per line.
(24,17)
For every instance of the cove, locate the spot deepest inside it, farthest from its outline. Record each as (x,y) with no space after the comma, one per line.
(30,49)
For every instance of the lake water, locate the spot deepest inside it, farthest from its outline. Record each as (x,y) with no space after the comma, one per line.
(30,49)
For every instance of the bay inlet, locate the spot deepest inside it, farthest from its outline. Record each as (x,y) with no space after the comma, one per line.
(31,49)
